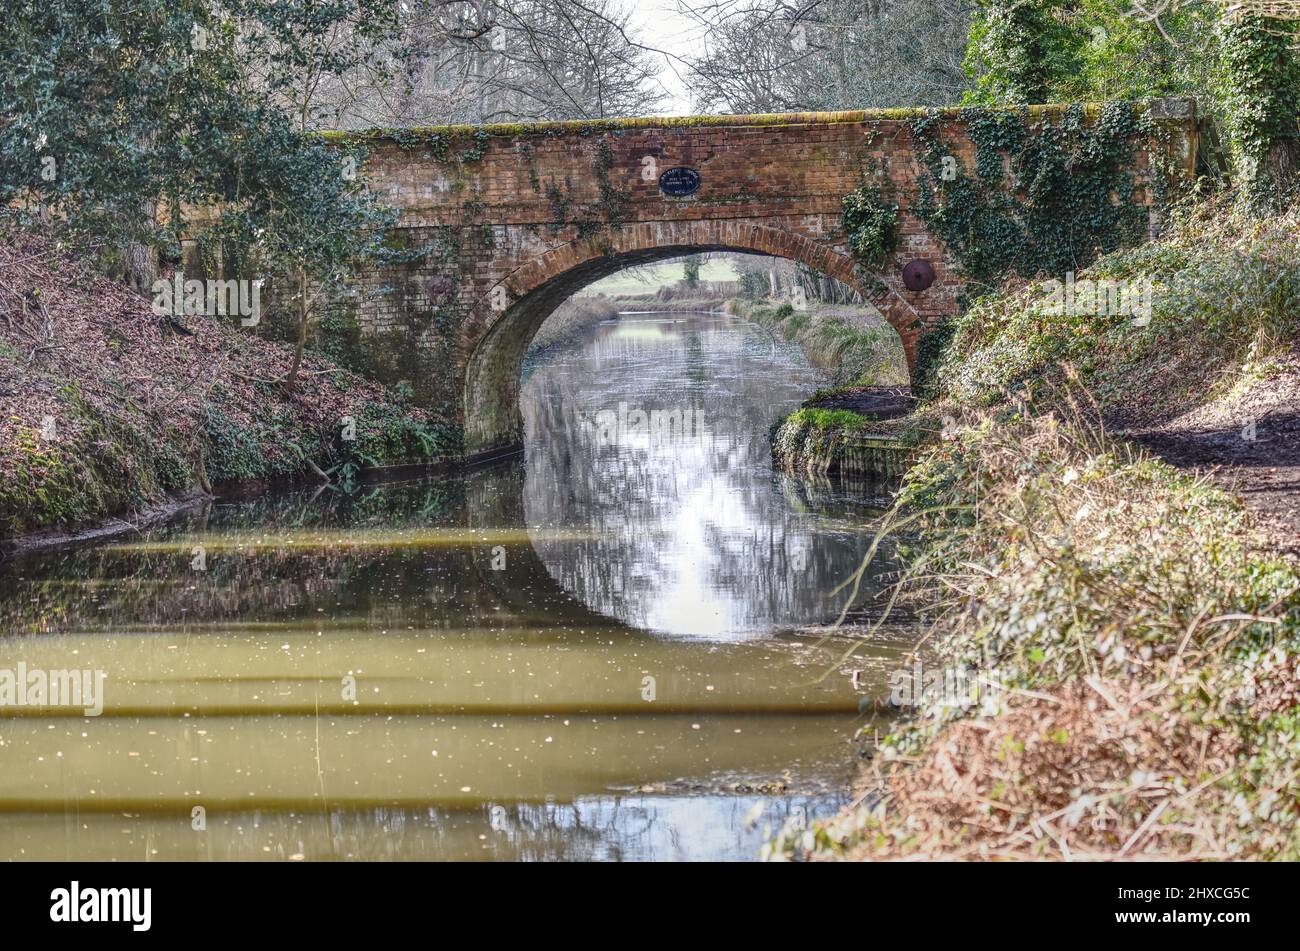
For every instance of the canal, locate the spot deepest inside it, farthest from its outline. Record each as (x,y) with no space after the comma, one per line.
(614,646)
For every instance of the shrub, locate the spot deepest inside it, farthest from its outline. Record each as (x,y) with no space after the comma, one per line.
(870,224)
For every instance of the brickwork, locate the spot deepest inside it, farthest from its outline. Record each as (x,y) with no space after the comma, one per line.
(518,218)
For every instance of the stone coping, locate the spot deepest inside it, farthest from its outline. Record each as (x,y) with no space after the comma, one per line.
(1160,108)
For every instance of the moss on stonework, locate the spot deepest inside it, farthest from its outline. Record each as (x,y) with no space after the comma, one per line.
(447,133)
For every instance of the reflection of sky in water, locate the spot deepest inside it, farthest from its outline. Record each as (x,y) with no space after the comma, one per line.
(641,330)
(610,828)
(690,530)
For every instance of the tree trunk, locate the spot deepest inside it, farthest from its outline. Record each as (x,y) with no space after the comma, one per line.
(292,380)
(1263,87)
(141,266)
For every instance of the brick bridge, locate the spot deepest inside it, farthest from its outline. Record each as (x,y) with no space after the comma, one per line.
(516,218)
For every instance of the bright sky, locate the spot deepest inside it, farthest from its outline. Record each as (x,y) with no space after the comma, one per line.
(659,25)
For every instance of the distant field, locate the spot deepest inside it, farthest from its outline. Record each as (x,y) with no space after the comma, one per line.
(648,279)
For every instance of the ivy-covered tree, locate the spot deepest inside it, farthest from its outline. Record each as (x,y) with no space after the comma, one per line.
(691,271)
(1123,53)
(1239,60)
(1019,51)
(1261,80)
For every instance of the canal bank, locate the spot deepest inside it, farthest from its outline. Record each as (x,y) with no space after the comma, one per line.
(859,426)
(116,415)
(1134,624)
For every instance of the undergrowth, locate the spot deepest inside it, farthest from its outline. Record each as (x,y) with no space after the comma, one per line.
(1138,661)
(1138,656)
(1225,291)
(106,409)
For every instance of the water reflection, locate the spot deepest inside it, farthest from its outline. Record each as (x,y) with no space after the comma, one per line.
(652,439)
(467,667)
(619,828)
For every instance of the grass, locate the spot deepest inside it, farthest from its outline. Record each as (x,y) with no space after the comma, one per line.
(809,438)
(647,279)
(858,352)
(822,420)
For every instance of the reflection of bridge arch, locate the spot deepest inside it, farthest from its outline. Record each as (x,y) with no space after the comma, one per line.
(689,535)
(492,416)
(494,498)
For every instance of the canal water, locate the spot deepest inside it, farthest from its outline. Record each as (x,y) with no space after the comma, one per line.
(613,647)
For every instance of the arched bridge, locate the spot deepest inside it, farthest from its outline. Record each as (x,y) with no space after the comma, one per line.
(509,220)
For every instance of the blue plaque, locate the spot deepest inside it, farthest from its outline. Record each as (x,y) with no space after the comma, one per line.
(679,182)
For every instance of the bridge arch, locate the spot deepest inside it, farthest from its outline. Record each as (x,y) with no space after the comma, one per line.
(497,342)
(517,217)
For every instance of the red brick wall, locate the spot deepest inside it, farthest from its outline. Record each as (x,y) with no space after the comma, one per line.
(518,218)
